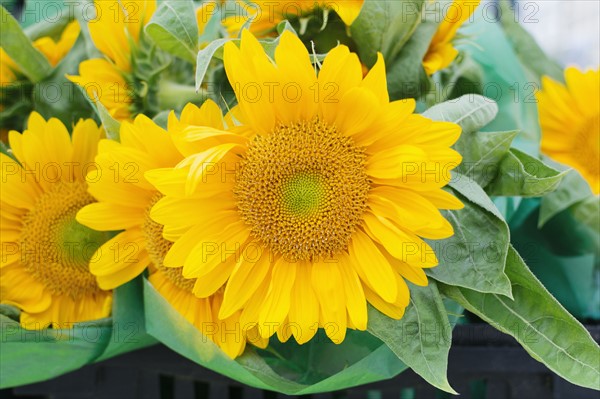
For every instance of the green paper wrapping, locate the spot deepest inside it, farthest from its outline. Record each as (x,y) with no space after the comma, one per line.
(318,366)
(30,356)
(560,254)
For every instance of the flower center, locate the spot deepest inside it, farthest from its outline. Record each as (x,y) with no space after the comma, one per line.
(55,248)
(303,189)
(303,195)
(157,247)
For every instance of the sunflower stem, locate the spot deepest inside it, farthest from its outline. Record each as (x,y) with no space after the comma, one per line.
(175,95)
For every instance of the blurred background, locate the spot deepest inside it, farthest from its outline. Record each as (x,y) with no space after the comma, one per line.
(568,30)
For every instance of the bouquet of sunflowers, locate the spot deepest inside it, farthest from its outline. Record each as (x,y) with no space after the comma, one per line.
(301,195)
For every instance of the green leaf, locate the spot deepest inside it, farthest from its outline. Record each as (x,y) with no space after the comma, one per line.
(174,28)
(572,189)
(522,175)
(482,152)
(475,256)
(529,52)
(110,124)
(421,338)
(205,57)
(405,74)
(538,322)
(385,26)
(471,111)
(17,45)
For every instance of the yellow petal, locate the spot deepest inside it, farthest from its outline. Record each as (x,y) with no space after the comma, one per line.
(247,276)
(104,216)
(304,307)
(400,244)
(372,266)
(328,286)
(355,296)
(277,302)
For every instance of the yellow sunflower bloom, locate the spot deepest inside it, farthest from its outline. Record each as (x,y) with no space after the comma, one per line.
(115,29)
(441,52)
(266,15)
(8,69)
(46,253)
(124,201)
(316,202)
(54,52)
(570,121)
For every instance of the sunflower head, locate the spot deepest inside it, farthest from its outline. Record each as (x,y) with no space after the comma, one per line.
(570,120)
(55,51)
(441,51)
(115,81)
(266,15)
(316,200)
(46,252)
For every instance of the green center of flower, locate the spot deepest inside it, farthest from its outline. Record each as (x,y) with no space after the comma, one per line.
(157,247)
(55,248)
(303,195)
(303,189)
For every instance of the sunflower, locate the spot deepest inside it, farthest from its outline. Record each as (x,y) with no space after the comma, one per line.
(441,52)
(46,253)
(52,50)
(570,121)
(265,15)
(316,202)
(124,201)
(116,33)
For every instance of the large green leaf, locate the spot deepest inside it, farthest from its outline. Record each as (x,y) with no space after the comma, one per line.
(17,45)
(475,256)
(385,26)
(174,28)
(538,322)
(411,339)
(471,111)
(522,175)
(483,153)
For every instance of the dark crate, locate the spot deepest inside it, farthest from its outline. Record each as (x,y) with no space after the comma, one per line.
(484,363)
